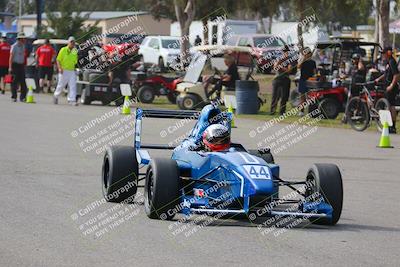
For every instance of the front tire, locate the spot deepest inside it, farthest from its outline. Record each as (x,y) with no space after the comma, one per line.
(357,114)
(146,94)
(326,182)
(187,102)
(329,108)
(120,174)
(162,189)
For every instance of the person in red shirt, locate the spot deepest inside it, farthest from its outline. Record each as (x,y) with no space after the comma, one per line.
(45,55)
(4,61)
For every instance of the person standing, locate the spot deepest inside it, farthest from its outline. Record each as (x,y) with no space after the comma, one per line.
(67,58)
(197,41)
(390,77)
(17,68)
(308,69)
(4,61)
(44,60)
(281,82)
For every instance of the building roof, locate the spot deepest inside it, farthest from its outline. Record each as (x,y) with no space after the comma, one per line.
(95,15)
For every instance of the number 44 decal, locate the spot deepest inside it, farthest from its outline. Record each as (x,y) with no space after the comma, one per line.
(257,171)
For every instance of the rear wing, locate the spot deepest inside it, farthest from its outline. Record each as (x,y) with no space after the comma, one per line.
(142,155)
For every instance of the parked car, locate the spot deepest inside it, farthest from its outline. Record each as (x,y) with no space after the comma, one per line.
(266,48)
(160,50)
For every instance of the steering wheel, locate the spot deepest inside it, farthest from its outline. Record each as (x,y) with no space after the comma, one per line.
(216,73)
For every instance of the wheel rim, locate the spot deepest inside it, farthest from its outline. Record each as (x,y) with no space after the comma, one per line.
(310,181)
(188,103)
(147,95)
(150,187)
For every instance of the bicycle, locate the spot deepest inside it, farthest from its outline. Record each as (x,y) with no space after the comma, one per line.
(360,110)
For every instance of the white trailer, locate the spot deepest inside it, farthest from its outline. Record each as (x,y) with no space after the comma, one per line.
(218,30)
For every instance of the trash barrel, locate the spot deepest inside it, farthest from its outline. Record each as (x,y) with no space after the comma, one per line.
(247,101)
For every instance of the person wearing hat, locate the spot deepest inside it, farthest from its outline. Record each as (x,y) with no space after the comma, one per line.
(390,77)
(358,74)
(17,68)
(67,58)
(281,82)
(4,61)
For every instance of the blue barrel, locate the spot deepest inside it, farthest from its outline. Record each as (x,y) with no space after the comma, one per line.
(247,97)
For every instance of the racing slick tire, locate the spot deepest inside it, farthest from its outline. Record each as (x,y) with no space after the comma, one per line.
(326,182)
(161,189)
(329,107)
(86,100)
(120,174)
(188,102)
(146,94)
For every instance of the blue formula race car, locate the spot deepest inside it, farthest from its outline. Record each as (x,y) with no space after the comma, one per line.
(207,173)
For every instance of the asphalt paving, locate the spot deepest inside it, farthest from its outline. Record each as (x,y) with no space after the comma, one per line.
(53,213)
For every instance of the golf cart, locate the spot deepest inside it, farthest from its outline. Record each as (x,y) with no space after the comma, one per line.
(193,92)
(328,88)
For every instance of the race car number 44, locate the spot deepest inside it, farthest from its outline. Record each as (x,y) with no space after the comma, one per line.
(257,171)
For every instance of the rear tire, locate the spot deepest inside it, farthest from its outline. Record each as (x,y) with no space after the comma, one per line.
(162,189)
(357,114)
(330,108)
(146,94)
(120,174)
(327,181)
(187,102)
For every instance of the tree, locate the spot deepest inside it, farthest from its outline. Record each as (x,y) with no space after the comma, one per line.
(185,12)
(69,23)
(262,10)
(384,11)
